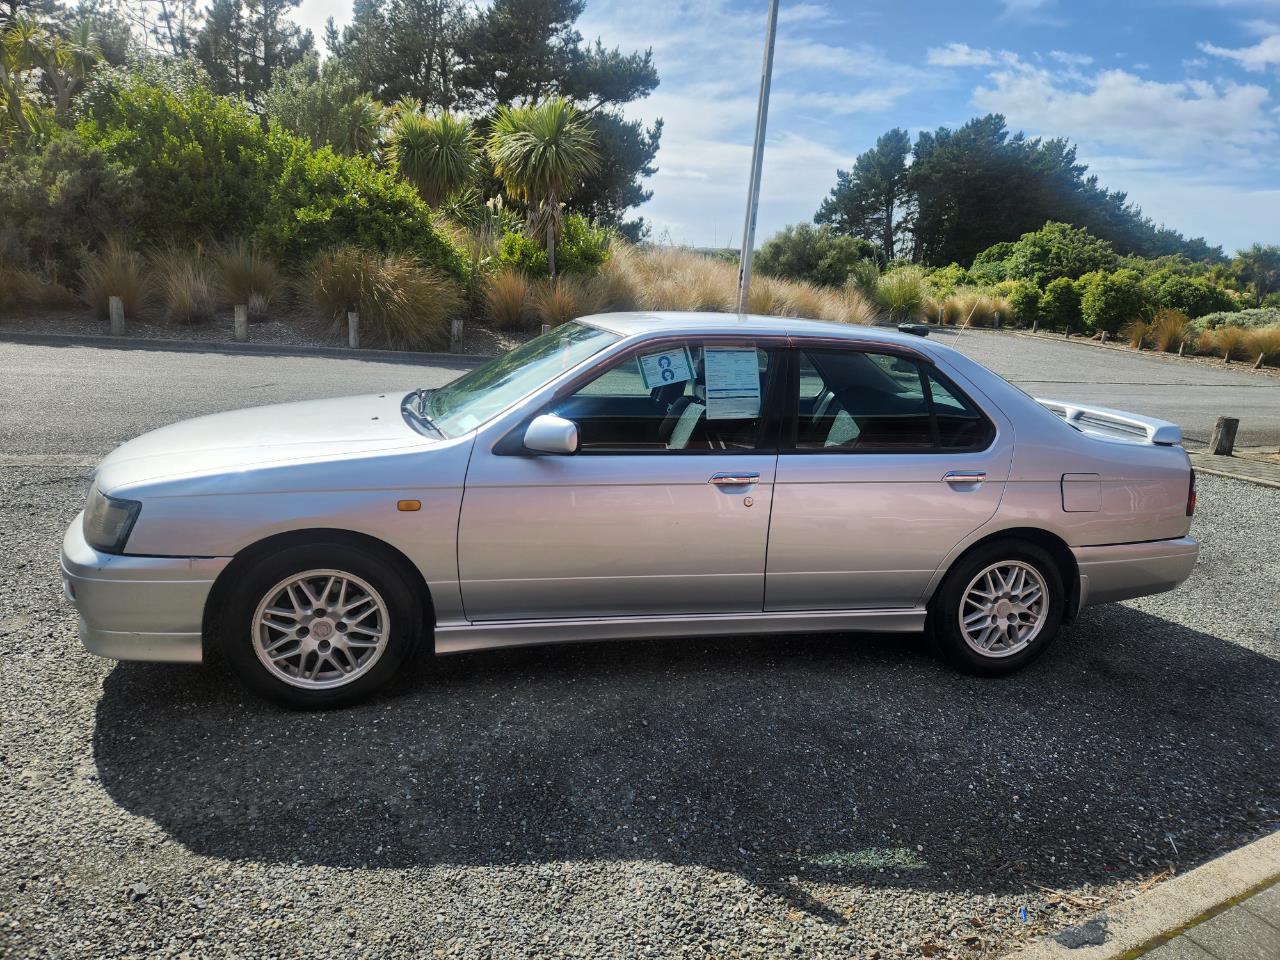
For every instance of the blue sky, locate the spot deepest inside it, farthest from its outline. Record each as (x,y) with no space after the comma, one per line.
(1175,101)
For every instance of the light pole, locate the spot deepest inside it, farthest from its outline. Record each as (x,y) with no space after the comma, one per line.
(757,161)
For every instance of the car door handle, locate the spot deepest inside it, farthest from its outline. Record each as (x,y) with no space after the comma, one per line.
(964,476)
(734,479)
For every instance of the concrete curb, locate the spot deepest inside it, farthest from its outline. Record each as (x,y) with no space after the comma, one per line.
(223,346)
(1164,911)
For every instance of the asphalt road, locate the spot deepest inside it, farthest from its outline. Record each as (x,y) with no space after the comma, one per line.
(819,796)
(77,402)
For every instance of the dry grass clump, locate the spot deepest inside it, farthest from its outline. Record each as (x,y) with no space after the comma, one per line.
(971,307)
(245,275)
(22,286)
(185,282)
(401,303)
(1135,333)
(1231,342)
(1169,330)
(114,271)
(508,301)
(1266,341)
(566,298)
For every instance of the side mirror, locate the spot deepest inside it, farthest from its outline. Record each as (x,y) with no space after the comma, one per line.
(551,434)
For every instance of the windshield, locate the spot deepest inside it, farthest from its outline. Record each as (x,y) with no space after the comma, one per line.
(478,396)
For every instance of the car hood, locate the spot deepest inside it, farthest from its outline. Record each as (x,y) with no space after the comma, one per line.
(279,434)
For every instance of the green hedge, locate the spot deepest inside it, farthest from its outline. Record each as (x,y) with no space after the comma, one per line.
(205,166)
(583,248)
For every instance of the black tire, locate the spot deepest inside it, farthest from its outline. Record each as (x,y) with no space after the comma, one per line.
(943,623)
(404,611)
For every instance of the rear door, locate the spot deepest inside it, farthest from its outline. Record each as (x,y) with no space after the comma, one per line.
(886,464)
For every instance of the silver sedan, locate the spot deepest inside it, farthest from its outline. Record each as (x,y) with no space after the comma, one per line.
(630,475)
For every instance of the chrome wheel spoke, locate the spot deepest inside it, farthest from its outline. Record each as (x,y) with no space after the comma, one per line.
(321,628)
(1003,609)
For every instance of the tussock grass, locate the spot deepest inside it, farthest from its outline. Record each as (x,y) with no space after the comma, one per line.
(246,275)
(114,271)
(508,301)
(1135,333)
(185,281)
(1169,330)
(22,286)
(669,278)
(401,303)
(903,294)
(566,298)
(970,307)
(1231,342)
(1266,341)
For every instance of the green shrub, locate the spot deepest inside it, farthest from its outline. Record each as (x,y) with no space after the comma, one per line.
(945,280)
(583,248)
(206,166)
(989,266)
(1058,250)
(1253,319)
(1024,300)
(63,197)
(1060,305)
(1111,300)
(1194,296)
(815,255)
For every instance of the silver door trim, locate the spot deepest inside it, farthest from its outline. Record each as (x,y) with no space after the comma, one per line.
(460,637)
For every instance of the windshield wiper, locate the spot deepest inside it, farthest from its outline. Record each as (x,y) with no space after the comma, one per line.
(418,407)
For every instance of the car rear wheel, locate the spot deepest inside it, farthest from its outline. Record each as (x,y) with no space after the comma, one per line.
(320,625)
(998,608)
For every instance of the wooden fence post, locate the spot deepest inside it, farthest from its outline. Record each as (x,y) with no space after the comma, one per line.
(242,322)
(456,333)
(1182,346)
(353,329)
(1257,364)
(1224,436)
(1104,336)
(115,309)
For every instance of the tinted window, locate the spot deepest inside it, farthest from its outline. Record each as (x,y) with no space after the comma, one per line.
(686,397)
(873,402)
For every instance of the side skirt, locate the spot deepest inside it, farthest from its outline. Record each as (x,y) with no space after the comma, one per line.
(460,637)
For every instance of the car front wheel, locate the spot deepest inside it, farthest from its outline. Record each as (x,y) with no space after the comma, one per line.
(998,608)
(320,625)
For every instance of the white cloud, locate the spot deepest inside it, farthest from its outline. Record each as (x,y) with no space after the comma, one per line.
(960,55)
(1182,121)
(1261,28)
(1265,53)
(1032,11)
(1071,59)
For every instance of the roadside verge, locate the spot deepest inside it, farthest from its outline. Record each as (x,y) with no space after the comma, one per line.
(1164,911)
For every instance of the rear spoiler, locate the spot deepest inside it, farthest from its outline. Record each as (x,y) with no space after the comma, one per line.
(1115,424)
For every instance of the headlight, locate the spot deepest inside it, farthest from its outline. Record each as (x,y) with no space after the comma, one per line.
(108,520)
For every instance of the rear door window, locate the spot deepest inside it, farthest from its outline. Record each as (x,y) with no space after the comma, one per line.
(860,401)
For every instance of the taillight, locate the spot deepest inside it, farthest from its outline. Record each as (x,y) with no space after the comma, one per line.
(1191,495)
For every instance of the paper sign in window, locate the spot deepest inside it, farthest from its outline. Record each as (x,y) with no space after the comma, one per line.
(665,368)
(733,383)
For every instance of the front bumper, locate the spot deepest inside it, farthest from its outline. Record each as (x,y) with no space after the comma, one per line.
(137,608)
(1127,570)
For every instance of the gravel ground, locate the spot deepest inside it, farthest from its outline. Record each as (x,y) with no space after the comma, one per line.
(811,796)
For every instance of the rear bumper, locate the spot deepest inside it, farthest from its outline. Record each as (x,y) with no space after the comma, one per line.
(137,608)
(1128,570)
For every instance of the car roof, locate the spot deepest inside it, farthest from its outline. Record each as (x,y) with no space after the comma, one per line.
(662,323)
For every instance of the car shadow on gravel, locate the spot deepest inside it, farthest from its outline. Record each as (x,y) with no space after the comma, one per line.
(1135,744)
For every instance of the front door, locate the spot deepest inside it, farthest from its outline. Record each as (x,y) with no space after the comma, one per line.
(887,466)
(664,511)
